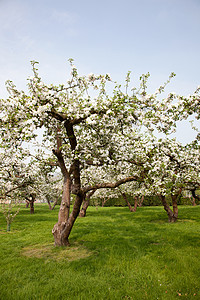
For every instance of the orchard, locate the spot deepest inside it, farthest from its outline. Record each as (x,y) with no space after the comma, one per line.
(97,137)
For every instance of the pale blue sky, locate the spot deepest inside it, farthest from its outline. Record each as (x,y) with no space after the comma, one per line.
(156,36)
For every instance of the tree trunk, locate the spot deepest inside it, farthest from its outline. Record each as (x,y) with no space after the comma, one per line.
(175,206)
(86,203)
(54,204)
(141,201)
(63,214)
(30,199)
(63,227)
(193,201)
(104,201)
(135,203)
(8,225)
(31,206)
(61,231)
(49,204)
(128,203)
(171,217)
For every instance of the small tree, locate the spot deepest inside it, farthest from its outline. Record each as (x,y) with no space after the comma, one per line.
(12,182)
(9,208)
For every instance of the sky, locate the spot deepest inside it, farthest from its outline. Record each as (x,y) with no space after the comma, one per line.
(107,36)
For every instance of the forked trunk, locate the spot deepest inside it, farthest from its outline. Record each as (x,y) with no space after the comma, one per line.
(128,203)
(54,205)
(50,206)
(63,227)
(171,217)
(104,201)
(61,231)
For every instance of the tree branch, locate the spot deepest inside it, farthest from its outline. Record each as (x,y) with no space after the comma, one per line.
(110,185)
(61,162)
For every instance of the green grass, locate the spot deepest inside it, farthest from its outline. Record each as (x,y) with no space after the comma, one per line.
(114,254)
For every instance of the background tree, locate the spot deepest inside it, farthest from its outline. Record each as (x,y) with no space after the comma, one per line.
(14,179)
(174,169)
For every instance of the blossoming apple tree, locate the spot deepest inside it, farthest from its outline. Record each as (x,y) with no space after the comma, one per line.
(14,179)
(175,168)
(129,160)
(166,168)
(83,123)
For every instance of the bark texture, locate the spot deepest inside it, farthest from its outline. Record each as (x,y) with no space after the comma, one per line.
(62,230)
(175,206)
(63,215)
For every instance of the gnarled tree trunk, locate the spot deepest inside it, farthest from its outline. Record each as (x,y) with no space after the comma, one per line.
(62,229)
(63,214)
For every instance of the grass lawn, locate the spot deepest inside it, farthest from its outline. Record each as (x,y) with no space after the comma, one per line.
(114,254)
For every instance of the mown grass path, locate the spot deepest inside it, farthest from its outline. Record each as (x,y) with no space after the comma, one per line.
(114,254)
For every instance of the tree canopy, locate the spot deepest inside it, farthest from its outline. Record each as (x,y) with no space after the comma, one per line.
(99,134)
